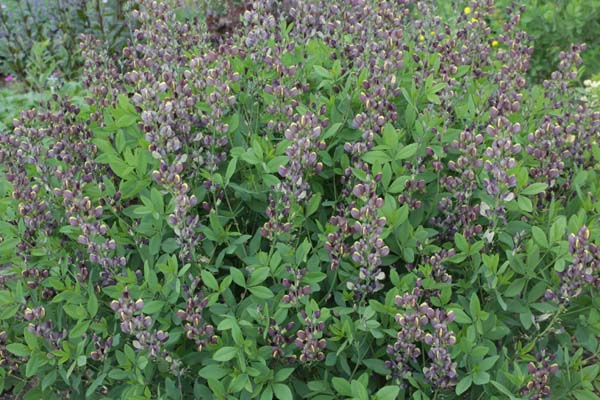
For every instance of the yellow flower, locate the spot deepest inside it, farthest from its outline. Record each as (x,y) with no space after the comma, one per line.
(421,38)
(474,20)
(494,43)
(467,10)
(432,33)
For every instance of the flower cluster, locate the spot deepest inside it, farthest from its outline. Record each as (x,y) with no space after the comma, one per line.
(101,347)
(43,329)
(368,250)
(8,361)
(58,146)
(438,269)
(422,325)
(540,372)
(196,328)
(583,271)
(279,337)
(304,136)
(34,276)
(310,340)
(134,322)
(295,289)
(562,139)
(101,75)
(499,158)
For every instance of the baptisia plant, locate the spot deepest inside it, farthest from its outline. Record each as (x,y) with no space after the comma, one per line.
(338,199)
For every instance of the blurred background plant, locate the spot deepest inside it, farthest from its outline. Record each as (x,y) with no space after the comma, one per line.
(48,30)
(553,24)
(592,91)
(23,23)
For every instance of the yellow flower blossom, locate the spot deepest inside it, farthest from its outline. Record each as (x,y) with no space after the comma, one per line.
(494,43)
(467,10)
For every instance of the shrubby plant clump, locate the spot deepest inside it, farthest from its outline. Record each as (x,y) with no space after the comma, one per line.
(39,38)
(348,199)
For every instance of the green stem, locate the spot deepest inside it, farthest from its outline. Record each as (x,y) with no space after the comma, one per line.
(561,309)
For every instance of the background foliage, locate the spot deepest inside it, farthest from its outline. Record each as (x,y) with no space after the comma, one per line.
(371,201)
(31,27)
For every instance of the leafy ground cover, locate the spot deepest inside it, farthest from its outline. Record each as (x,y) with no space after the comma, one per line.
(337,200)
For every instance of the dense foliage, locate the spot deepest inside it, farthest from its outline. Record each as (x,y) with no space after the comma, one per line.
(30,28)
(554,23)
(341,199)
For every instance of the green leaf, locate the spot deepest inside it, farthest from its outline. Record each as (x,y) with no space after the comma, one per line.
(79,329)
(126,120)
(376,157)
(391,136)
(314,277)
(209,280)
(526,318)
(225,353)
(213,372)
(238,277)
(81,361)
(313,204)
(342,386)
(238,383)
(474,305)
(332,130)
(398,185)
(322,72)
(283,373)
(488,363)
(581,394)
(153,306)
(120,167)
(18,349)
(534,188)
(74,311)
(170,245)
(407,151)
(37,360)
(92,304)
(503,389)
(539,236)
(359,390)
(49,379)
(464,385)
(118,374)
(524,204)
(282,392)
(461,242)
(558,229)
(217,388)
(261,292)
(267,394)
(377,366)
(515,288)
(388,393)
(259,275)
(461,316)
(302,251)
(9,311)
(231,168)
